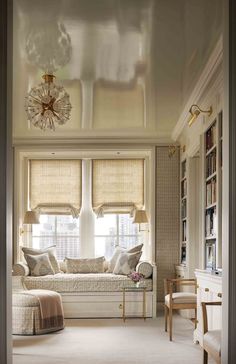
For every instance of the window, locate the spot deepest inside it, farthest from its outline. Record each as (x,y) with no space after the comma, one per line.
(86,235)
(59,230)
(113,230)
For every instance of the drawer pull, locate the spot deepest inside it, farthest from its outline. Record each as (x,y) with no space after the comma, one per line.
(120,306)
(219,295)
(207,290)
(197,285)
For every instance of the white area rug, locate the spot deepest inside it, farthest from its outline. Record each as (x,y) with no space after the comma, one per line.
(103,341)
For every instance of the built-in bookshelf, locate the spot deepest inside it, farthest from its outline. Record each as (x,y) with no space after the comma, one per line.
(213,186)
(184,220)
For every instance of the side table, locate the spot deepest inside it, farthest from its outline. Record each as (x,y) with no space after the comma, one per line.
(134,289)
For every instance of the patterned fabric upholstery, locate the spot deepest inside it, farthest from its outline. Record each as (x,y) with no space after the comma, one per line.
(126,262)
(20,299)
(17,284)
(118,250)
(93,282)
(62,265)
(51,251)
(20,269)
(26,316)
(95,265)
(39,265)
(144,268)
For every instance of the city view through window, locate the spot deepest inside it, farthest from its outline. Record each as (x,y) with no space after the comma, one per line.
(63,231)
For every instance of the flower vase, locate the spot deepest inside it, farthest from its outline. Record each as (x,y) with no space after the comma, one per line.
(137,284)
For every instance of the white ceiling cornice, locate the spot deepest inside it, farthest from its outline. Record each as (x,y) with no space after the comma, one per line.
(209,70)
(91,141)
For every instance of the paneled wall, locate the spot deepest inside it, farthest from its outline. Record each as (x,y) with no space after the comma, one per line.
(167,216)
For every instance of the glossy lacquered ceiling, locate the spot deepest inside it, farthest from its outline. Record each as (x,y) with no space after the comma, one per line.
(129,65)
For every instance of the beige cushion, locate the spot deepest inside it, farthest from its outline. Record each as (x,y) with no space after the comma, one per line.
(83,282)
(212,339)
(93,265)
(17,284)
(127,262)
(22,299)
(182,297)
(39,265)
(117,252)
(20,269)
(51,254)
(62,265)
(144,268)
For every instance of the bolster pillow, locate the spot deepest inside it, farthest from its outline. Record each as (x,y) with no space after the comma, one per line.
(144,268)
(20,269)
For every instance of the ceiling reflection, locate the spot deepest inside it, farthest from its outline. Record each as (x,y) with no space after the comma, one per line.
(48,46)
(108,40)
(127,64)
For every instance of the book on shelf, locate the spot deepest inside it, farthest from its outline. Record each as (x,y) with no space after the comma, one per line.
(183,169)
(211,137)
(184,209)
(184,230)
(211,164)
(183,188)
(210,222)
(183,255)
(210,255)
(211,192)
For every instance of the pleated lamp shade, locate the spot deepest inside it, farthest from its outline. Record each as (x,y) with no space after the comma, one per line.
(31,217)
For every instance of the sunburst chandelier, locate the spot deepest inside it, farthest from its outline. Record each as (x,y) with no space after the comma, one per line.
(48,104)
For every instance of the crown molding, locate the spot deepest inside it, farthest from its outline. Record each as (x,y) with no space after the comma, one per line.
(91,141)
(214,61)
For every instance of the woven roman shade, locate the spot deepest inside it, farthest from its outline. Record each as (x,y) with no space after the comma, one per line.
(55,186)
(117,185)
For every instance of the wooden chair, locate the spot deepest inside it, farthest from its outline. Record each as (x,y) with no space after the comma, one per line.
(178,300)
(212,338)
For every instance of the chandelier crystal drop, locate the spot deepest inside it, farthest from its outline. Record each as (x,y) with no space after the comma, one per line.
(48,104)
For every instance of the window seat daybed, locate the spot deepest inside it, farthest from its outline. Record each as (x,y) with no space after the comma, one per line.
(94,294)
(87,282)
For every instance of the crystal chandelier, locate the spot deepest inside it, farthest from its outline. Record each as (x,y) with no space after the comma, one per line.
(48,104)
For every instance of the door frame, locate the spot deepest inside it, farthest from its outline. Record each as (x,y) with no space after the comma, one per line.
(6,182)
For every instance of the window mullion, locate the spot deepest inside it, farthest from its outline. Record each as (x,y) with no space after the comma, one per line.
(87,238)
(117,229)
(55,230)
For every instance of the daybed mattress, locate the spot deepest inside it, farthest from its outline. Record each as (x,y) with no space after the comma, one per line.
(92,282)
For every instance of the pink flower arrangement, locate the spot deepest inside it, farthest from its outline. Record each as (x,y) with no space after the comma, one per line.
(135,276)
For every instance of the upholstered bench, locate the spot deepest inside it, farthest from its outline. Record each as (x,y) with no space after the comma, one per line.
(28,317)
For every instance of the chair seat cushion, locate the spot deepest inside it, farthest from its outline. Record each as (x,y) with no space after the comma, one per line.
(212,339)
(181,297)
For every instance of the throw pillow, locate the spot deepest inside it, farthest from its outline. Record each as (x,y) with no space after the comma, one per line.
(126,262)
(117,252)
(135,249)
(93,265)
(51,251)
(39,265)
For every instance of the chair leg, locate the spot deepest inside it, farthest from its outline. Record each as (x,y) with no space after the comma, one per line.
(195,323)
(166,317)
(205,357)
(170,322)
